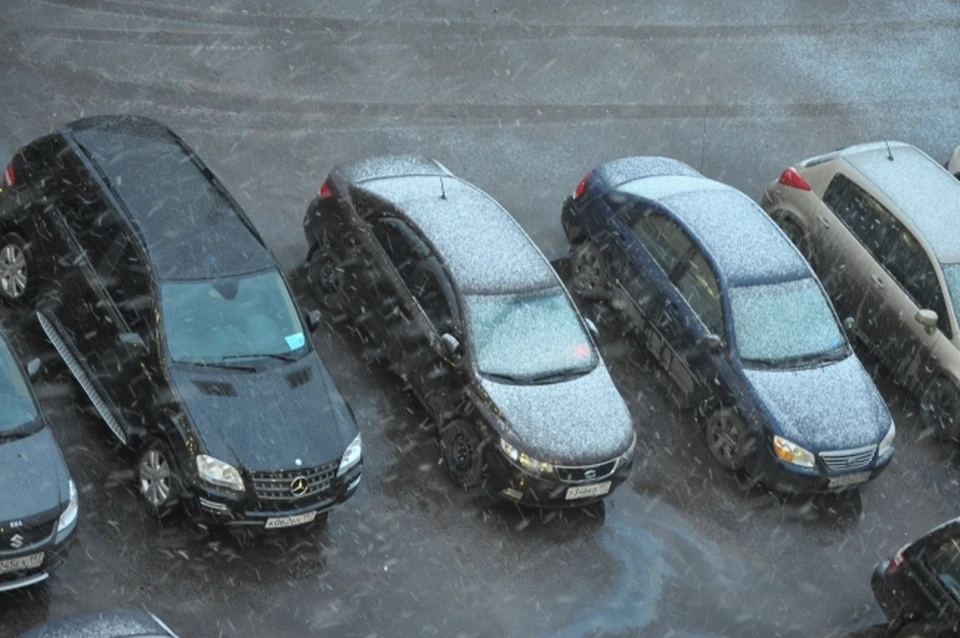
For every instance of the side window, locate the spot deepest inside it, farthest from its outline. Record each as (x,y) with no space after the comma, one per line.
(663,239)
(907,262)
(433,294)
(95,225)
(860,212)
(402,247)
(698,286)
(130,287)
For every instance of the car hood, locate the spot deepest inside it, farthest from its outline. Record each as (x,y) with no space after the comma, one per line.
(579,421)
(830,407)
(280,417)
(34,479)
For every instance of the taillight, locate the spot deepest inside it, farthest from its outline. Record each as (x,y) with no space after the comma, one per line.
(791,178)
(324,190)
(894,565)
(9,177)
(582,186)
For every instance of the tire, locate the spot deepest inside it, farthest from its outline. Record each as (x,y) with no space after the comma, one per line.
(460,449)
(940,409)
(795,234)
(158,481)
(727,439)
(16,270)
(325,277)
(588,272)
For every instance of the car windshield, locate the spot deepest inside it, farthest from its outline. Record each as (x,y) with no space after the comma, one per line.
(18,406)
(529,337)
(785,322)
(249,316)
(951,273)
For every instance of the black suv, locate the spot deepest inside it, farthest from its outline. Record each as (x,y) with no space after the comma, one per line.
(175,319)
(38,500)
(468,311)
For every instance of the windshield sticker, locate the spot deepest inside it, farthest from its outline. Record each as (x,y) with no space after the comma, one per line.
(295,341)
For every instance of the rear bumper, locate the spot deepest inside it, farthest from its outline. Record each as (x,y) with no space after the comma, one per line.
(55,550)
(791,479)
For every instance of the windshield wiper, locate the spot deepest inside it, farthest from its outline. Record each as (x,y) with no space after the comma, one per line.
(553,377)
(506,378)
(257,355)
(836,354)
(224,366)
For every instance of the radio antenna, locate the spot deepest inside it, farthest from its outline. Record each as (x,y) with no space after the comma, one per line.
(889,152)
(443,192)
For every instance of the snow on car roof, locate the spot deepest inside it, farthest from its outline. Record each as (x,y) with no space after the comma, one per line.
(622,170)
(926,194)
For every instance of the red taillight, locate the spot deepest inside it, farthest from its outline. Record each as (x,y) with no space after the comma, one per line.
(791,178)
(582,186)
(9,177)
(894,565)
(324,190)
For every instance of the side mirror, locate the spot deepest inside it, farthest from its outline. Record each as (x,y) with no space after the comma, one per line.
(927,319)
(313,319)
(132,340)
(450,345)
(33,368)
(711,343)
(849,324)
(592,327)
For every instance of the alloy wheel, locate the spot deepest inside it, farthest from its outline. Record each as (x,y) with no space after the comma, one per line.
(13,271)
(588,271)
(156,478)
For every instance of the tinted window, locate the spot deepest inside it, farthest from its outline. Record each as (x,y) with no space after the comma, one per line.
(18,406)
(95,226)
(699,287)
(662,238)
(429,290)
(944,561)
(127,283)
(907,262)
(403,248)
(863,215)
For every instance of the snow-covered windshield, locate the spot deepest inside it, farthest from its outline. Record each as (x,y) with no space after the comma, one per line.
(528,337)
(230,318)
(18,406)
(784,322)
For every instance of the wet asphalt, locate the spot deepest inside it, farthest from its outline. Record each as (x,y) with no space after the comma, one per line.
(521,99)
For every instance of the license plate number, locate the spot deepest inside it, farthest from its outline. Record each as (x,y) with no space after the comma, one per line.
(849,479)
(586,491)
(290,521)
(19,564)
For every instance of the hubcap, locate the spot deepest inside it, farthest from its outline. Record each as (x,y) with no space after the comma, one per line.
(462,454)
(325,275)
(945,407)
(588,270)
(155,478)
(724,439)
(13,271)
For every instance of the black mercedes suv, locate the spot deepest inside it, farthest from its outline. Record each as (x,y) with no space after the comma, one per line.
(38,499)
(173,316)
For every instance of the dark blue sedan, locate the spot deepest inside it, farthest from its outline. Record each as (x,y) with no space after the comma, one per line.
(736,318)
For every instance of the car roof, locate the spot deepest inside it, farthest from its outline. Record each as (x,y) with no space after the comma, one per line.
(482,245)
(926,195)
(192,229)
(744,243)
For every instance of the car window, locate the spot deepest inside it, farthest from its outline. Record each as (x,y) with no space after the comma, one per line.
(18,406)
(95,225)
(403,248)
(433,294)
(866,218)
(907,262)
(943,561)
(128,284)
(699,288)
(664,239)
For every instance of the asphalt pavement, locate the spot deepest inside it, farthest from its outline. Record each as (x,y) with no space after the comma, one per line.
(521,99)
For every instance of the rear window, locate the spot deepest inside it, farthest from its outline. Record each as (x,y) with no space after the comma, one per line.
(944,562)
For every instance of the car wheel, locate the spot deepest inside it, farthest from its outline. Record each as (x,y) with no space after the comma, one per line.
(726,434)
(588,271)
(157,481)
(325,277)
(940,409)
(16,268)
(795,234)
(461,453)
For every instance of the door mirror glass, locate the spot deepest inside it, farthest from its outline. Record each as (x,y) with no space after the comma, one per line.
(131,340)
(927,319)
(313,319)
(33,368)
(711,343)
(592,327)
(849,324)
(450,345)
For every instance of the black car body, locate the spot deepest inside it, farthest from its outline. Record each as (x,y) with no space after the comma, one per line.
(175,319)
(459,300)
(922,580)
(735,317)
(124,623)
(38,499)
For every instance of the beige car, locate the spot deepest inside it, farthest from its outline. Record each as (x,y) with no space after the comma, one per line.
(953,164)
(880,223)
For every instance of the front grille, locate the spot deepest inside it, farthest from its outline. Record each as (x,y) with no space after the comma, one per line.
(279,486)
(586,473)
(19,537)
(846,460)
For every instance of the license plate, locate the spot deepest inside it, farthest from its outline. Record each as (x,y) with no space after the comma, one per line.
(22,563)
(849,479)
(586,491)
(290,521)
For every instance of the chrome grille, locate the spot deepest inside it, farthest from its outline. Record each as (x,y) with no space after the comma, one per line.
(845,460)
(586,473)
(276,486)
(13,539)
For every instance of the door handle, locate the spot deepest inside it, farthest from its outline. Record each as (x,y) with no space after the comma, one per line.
(877,282)
(823,222)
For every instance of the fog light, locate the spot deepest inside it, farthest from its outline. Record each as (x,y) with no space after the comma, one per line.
(355,482)
(509,492)
(212,505)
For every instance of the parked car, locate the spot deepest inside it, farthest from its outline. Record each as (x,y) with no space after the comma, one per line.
(175,319)
(953,164)
(38,499)
(921,582)
(735,317)
(468,311)
(132,623)
(879,224)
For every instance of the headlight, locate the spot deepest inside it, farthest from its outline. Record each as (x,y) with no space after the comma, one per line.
(792,453)
(216,472)
(886,445)
(351,456)
(526,462)
(629,453)
(70,514)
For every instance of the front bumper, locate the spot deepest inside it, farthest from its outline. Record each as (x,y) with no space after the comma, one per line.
(780,476)
(54,548)
(244,512)
(505,480)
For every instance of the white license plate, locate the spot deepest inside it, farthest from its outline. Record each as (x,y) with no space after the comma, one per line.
(290,521)
(19,564)
(849,479)
(586,491)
